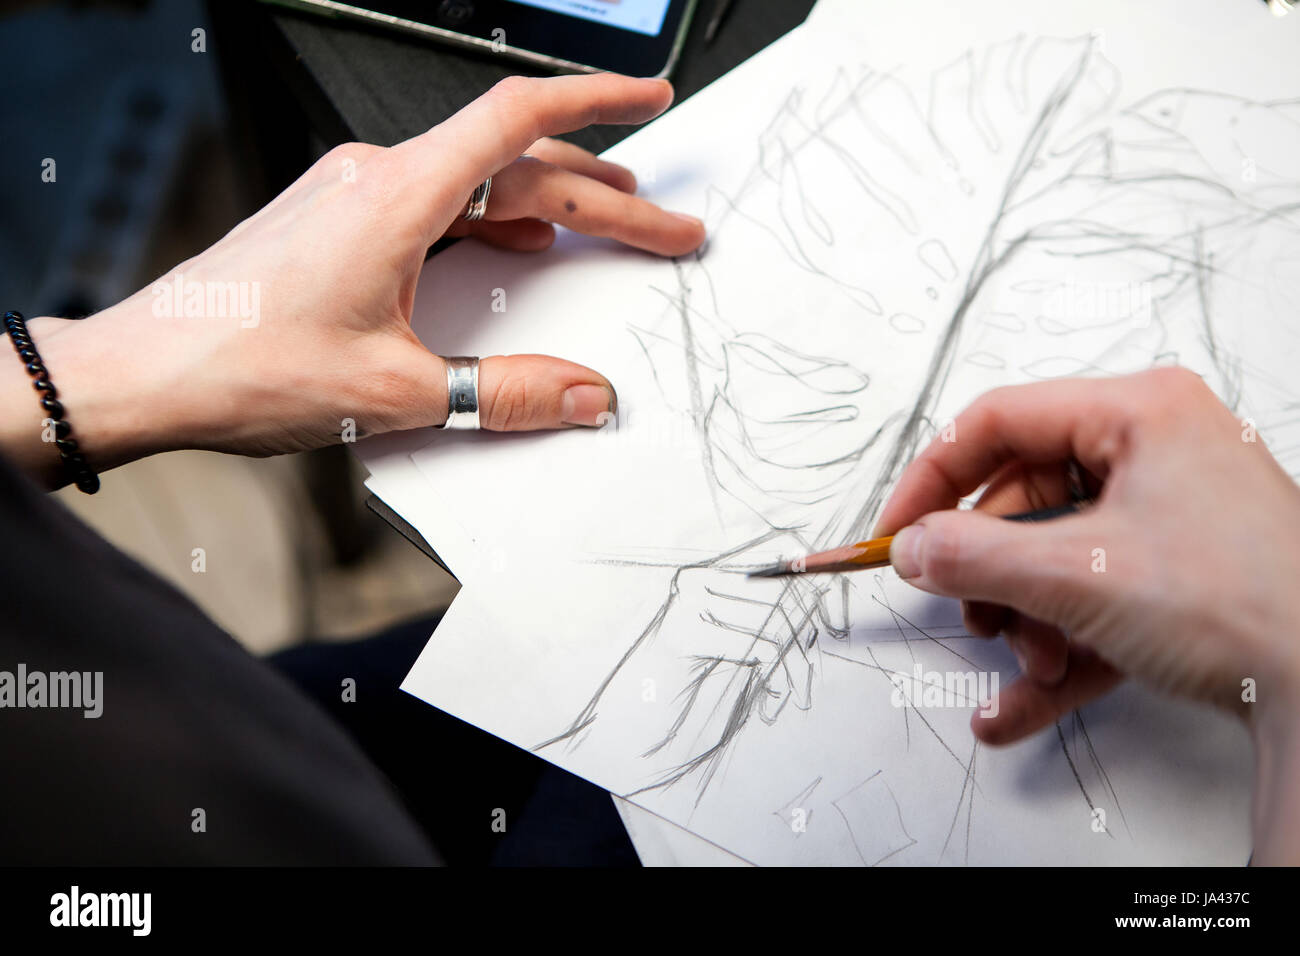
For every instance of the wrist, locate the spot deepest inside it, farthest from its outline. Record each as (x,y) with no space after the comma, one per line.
(24,438)
(111,388)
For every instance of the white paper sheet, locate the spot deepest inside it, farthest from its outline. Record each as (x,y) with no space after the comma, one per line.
(660,843)
(904,211)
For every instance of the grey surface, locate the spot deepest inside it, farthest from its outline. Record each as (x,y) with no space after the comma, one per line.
(387,87)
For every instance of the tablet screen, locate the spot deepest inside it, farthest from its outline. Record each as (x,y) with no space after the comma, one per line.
(640,16)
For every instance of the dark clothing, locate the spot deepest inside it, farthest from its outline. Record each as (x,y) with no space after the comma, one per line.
(280,764)
(191,722)
(480,800)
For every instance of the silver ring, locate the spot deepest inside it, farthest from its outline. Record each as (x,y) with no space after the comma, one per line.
(478,200)
(462,392)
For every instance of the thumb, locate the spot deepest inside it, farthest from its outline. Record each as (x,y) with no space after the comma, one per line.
(532,392)
(1040,569)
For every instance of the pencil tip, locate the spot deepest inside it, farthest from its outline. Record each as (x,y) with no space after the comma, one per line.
(775,570)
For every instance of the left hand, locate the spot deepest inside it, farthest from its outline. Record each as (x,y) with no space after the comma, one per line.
(335,259)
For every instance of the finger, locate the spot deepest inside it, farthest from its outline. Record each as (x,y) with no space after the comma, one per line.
(1018,487)
(1015,488)
(1039,424)
(578,160)
(531,392)
(1026,707)
(1038,569)
(499,126)
(515,392)
(529,187)
(521,235)
(1041,649)
(983,619)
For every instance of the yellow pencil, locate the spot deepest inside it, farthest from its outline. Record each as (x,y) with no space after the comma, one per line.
(875,553)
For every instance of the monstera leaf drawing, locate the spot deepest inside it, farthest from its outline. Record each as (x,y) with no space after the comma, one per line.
(1006,218)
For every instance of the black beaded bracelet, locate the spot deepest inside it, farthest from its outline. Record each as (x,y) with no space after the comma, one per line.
(74,463)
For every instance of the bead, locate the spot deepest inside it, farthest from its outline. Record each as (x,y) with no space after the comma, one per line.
(74,462)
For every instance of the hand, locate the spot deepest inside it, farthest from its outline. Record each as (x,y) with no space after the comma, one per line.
(333,263)
(1183,574)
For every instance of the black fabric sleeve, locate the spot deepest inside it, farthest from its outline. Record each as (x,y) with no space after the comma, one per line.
(190,722)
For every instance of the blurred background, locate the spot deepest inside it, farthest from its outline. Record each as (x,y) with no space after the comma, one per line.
(156,154)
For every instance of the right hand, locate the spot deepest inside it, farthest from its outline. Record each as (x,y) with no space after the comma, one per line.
(1185,574)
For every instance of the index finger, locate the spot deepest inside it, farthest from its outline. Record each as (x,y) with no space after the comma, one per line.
(495,129)
(1035,424)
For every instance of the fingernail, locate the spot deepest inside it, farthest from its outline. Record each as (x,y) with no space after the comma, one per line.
(587,405)
(905,551)
(691,219)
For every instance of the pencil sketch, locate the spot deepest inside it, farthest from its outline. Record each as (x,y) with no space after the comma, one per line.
(1113,235)
(796,813)
(874,820)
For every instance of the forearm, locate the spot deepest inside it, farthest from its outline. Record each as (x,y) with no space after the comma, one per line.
(110,387)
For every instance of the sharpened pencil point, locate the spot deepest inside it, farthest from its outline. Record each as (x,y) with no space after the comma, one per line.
(775,570)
